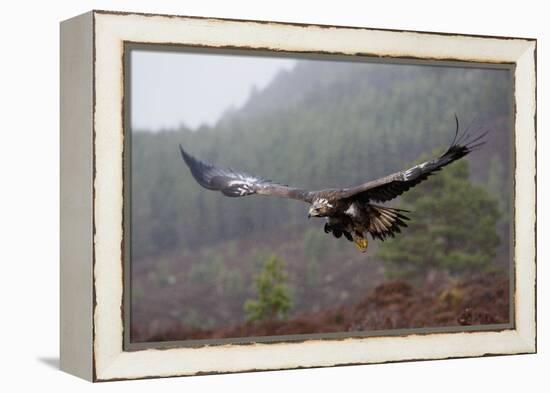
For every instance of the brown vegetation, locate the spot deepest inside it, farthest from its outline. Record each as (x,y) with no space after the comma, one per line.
(476,300)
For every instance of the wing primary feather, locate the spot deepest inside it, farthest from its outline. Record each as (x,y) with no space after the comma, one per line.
(391,186)
(233,183)
(456,129)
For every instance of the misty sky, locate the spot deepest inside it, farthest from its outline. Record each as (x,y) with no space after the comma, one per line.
(174,88)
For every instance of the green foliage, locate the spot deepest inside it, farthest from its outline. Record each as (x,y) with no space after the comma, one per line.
(273,296)
(324,124)
(453,226)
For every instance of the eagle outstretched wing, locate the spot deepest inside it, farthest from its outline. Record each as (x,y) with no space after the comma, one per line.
(233,183)
(391,186)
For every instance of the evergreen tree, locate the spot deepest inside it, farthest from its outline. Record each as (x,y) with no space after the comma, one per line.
(453,227)
(273,296)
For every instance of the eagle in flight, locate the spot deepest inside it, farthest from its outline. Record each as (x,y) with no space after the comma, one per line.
(348,211)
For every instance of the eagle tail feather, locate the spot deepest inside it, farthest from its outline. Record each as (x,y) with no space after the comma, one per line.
(386,221)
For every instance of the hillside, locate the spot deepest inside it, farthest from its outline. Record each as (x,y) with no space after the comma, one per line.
(322,124)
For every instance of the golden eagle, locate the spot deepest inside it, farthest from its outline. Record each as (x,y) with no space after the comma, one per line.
(348,211)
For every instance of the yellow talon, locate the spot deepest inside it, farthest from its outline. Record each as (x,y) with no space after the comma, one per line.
(361,243)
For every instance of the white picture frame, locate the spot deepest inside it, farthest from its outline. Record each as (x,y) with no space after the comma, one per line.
(92,189)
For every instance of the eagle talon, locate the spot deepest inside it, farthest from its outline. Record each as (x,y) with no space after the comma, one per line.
(361,243)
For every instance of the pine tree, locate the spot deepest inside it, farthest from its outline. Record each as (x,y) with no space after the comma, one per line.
(452,228)
(273,296)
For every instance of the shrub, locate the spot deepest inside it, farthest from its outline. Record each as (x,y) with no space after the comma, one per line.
(273,296)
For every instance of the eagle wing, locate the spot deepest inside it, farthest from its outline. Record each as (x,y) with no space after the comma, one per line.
(391,186)
(233,183)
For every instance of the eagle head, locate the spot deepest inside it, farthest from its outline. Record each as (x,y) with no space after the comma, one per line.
(320,208)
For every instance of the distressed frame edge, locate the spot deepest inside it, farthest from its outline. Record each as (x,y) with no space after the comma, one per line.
(76,196)
(526,196)
(303,24)
(525,339)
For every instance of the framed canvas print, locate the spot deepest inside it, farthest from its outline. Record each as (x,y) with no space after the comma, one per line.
(246,195)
